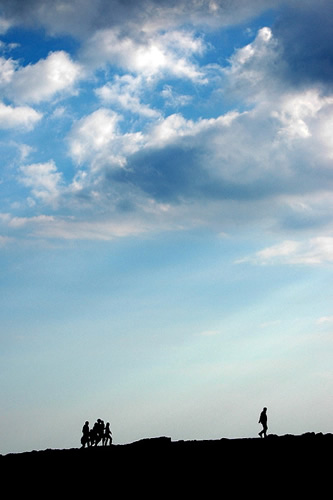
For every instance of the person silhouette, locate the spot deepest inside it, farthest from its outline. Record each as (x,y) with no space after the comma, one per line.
(263,422)
(85,439)
(96,433)
(107,435)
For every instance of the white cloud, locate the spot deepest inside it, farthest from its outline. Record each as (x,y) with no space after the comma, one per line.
(315,251)
(257,181)
(96,140)
(297,111)
(210,333)
(284,249)
(72,228)
(92,134)
(97,146)
(323,130)
(253,70)
(325,319)
(17,222)
(24,150)
(42,80)
(20,116)
(7,70)
(43,179)
(233,168)
(125,92)
(174,127)
(174,99)
(5,24)
(168,129)
(150,55)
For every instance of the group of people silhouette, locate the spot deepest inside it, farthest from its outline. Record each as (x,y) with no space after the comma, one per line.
(99,433)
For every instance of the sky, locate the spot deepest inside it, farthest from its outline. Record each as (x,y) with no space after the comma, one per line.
(166,228)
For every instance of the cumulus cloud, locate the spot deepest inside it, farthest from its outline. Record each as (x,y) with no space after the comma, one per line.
(18,117)
(238,156)
(262,159)
(125,92)
(7,70)
(41,81)
(43,179)
(96,140)
(161,163)
(92,134)
(290,56)
(254,70)
(298,110)
(151,54)
(268,160)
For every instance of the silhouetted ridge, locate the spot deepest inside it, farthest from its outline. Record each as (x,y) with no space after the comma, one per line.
(297,463)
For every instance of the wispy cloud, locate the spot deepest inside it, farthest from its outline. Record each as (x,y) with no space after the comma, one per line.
(325,319)
(315,251)
(210,333)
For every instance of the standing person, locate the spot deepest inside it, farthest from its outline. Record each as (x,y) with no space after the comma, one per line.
(263,422)
(97,432)
(100,430)
(85,440)
(107,435)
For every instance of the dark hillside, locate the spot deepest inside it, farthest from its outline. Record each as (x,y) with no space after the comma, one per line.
(293,464)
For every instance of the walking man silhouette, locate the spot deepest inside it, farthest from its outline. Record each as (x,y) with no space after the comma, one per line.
(107,438)
(263,422)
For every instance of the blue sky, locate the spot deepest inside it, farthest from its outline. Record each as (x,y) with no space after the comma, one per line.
(166,232)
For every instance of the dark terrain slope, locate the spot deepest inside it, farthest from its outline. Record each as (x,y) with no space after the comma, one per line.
(279,465)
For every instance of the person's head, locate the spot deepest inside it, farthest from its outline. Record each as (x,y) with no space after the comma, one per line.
(265,409)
